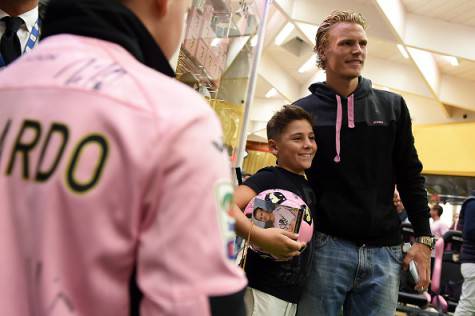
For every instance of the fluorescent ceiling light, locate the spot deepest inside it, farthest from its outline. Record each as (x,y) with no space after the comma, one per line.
(289,27)
(452,60)
(403,51)
(254,41)
(309,64)
(215,42)
(271,93)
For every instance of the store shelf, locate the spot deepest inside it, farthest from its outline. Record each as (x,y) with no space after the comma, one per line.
(214,55)
(193,74)
(221,6)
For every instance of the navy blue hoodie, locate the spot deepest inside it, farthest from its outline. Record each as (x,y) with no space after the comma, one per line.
(365,147)
(467,225)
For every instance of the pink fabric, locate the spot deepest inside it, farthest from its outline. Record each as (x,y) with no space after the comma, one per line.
(157,203)
(339,119)
(436,273)
(351,111)
(339,115)
(440,303)
(428,297)
(438,228)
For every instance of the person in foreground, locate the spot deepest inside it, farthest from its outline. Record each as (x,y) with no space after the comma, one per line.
(466,305)
(366,147)
(103,209)
(275,286)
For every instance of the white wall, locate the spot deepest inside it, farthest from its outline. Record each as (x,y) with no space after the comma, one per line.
(260,113)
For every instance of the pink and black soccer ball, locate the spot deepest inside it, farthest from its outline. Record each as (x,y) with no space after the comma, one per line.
(287,198)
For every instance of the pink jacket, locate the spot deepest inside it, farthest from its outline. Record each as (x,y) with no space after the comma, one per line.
(105,165)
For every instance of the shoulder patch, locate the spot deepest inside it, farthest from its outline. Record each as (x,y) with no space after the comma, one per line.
(224,196)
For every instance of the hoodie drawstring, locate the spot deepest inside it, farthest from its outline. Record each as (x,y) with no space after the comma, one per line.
(338,129)
(351,111)
(339,115)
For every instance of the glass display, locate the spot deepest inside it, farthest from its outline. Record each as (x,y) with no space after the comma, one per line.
(216,57)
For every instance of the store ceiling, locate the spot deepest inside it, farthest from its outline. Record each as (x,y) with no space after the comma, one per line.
(454,11)
(435,90)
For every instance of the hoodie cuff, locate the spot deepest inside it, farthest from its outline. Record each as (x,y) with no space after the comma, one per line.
(421,226)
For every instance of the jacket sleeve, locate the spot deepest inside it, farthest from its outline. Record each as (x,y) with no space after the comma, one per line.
(469,221)
(410,182)
(184,266)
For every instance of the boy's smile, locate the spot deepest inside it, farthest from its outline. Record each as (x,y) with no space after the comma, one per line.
(296,146)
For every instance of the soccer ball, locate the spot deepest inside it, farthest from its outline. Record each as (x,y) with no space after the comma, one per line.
(281,209)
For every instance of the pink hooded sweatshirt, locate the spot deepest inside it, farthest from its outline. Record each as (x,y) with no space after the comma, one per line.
(107,166)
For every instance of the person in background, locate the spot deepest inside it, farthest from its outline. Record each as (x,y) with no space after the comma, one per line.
(275,286)
(455,221)
(437,227)
(20,23)
(466,304)
(104,211)
(366,148)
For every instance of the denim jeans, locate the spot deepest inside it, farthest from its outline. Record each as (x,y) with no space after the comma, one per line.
(363,280)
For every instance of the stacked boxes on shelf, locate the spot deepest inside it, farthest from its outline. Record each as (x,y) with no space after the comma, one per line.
(201,42)
(193,31)
(216,58)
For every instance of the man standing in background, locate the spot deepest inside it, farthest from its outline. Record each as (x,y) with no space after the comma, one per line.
(366,147)
(20,22)
(466,305)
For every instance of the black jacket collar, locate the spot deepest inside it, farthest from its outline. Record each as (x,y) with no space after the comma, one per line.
(107,20)
(323,90)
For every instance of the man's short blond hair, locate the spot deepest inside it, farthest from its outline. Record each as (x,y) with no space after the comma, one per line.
(321,39)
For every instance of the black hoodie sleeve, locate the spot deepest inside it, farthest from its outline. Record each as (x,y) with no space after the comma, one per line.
(410,182)
(469,221)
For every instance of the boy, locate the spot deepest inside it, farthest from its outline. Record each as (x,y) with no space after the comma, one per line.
(275,286)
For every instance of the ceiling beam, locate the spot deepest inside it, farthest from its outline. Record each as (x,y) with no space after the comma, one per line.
(457,92)
(314,11)
(285,5)
(394,13)
(274,25)
(278,78)
(285,8)
(439,36)
(427,67)
(397,76)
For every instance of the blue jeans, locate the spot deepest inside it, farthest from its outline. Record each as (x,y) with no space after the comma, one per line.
(363,280)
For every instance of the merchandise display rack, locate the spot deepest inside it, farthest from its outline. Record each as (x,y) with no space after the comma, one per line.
(216,59)
(189,71)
